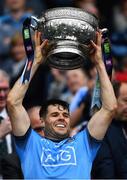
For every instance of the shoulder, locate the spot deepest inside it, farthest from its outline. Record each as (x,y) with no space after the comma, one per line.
(85,135)
(29,136)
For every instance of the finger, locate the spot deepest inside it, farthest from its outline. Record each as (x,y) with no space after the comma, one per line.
(99,38)
(39,38)
(44,43)
(91,51)
(35,38)
(93,44)
(99,30)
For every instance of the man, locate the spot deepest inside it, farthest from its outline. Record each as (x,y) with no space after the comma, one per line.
(75,79)
(11,22)
(35,120)
(5,125)
(58,155)
(111,160)
(10,164)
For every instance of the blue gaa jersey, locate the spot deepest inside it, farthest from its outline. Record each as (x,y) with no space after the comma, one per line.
(42,158)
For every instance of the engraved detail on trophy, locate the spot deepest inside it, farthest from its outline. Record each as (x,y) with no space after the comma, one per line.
(69,31)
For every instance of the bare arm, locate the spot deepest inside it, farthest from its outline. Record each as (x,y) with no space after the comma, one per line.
(19,118)
(100,121)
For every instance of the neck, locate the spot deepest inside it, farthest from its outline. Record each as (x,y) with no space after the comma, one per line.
(54,139)
(54,136)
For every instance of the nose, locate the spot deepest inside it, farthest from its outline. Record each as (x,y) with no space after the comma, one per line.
(61,116)
(2,93)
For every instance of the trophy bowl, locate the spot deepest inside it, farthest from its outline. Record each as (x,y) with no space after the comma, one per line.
(69,31)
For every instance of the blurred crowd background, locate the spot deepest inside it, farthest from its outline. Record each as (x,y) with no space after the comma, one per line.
(49,82)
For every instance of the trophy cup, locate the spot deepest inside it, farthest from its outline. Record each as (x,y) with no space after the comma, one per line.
(69,31)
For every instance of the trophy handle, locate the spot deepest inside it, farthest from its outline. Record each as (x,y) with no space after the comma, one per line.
(37,24)
(104,31)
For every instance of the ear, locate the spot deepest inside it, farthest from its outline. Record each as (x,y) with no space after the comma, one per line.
(42,122)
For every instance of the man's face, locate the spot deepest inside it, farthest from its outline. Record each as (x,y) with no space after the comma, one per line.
(15,5)
(122,103)
(18,51)
(75,79)
(4,88)
(57,122)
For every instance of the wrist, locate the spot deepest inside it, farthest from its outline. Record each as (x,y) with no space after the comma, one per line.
(100,65)
(37,61)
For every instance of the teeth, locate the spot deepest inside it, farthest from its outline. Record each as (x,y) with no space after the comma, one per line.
(60,125)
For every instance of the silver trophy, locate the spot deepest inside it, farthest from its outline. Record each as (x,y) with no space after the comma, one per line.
(69,31)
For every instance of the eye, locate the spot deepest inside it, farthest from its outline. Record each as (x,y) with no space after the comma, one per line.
(54,114)
(66,115)
(125,100)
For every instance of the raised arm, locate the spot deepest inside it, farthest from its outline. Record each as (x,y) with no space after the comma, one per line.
(100,121)
(19,118)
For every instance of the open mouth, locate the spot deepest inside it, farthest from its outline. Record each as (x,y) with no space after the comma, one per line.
(60,125)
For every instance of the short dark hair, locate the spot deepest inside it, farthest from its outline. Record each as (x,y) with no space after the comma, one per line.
(46,104)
